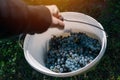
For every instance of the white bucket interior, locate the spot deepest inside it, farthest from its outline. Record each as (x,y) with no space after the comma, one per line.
(35,46)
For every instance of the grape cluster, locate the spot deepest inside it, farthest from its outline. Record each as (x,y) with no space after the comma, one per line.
(72,52)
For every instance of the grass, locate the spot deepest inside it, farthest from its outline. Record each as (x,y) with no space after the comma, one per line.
(13,65)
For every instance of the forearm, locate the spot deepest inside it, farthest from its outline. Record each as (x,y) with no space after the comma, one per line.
(16,17)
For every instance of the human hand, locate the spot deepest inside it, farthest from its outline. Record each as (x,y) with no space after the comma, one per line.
(56,17)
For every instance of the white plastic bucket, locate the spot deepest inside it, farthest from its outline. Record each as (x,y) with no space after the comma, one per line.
(35,46)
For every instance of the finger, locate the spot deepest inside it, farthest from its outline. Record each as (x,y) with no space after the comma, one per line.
(55,9)
(56,12)
(61,18)
(57,23)
(60,24)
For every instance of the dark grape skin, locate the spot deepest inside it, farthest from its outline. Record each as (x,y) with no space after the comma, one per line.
(70,53)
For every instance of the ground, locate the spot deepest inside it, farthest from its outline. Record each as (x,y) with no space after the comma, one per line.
(13,65)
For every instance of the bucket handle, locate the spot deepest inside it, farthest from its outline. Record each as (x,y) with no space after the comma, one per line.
(68,20)
(22,36)
(21,40)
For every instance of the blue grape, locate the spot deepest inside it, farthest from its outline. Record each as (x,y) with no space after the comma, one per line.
(71,53)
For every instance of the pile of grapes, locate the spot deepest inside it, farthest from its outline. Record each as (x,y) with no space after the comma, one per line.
(72,52)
